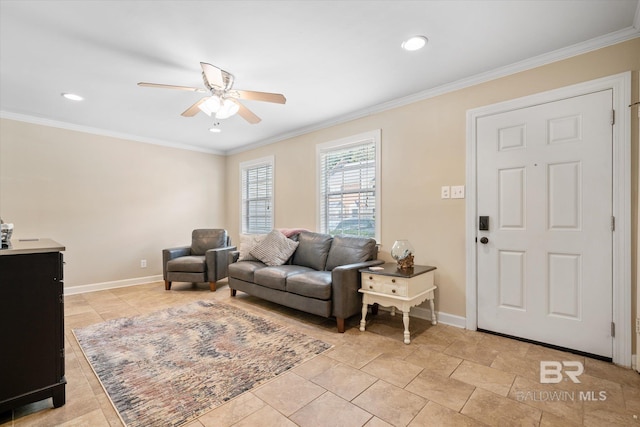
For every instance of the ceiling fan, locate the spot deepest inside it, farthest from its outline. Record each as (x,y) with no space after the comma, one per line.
(223,101)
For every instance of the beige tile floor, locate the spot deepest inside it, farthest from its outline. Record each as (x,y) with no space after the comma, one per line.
(445,377)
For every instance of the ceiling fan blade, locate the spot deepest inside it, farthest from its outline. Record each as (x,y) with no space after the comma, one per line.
(214,75)
(158,85)
(261,96)
(193,110)
(248,115)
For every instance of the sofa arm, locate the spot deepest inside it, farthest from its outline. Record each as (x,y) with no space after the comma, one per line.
(345,282)
(233,256)
(217,262)
(171,253)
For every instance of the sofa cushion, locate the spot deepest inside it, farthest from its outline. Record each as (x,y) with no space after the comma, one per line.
(350,250)
(312,250)
(247,243)
(275,249)
(276,277)
(191,264)
(245,270)
(313,284)
(204,239)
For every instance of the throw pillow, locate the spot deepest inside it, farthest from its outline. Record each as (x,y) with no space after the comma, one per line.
(275,249)
(288,232)
(247,243)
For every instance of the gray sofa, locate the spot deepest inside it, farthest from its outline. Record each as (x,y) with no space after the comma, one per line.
(321,277)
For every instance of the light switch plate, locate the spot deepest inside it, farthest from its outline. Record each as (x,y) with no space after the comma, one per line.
(457,192)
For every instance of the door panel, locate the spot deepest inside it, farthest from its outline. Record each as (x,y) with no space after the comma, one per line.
(545,180)
(512,279)
(511,198)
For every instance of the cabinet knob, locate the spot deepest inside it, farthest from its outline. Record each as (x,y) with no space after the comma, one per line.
(393,291)
(370,278)
(370,287)
(393,280)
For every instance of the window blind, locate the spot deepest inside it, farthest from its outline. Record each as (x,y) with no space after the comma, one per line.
(348,189)
(257,197)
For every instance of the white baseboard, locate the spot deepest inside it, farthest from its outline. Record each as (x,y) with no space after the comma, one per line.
(73,290)
(418,312)
(444,318)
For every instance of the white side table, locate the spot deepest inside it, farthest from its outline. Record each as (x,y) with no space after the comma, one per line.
(401,289)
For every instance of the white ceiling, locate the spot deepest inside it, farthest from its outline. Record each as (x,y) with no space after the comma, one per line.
(333,60)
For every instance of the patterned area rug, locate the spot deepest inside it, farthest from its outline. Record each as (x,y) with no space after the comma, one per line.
(169,367)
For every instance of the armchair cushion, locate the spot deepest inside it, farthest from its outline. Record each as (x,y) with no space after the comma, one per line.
(187,264)
(275,249)
(205,239)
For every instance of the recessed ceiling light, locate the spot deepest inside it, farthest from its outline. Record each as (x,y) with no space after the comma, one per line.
(414,43)
(73,96)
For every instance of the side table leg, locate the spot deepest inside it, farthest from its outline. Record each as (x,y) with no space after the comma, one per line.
(363,322)
(433,312)
(405,320)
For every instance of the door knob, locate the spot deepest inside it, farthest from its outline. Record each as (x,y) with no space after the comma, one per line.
(484,240)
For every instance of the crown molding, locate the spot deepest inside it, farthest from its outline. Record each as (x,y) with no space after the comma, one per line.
(103,132)
(530,63)
(527,64)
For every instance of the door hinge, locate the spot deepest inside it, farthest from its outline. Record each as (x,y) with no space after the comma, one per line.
(613,223)
(613,117)
(613,329)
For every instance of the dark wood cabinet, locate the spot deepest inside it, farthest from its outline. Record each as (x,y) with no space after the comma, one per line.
(31,324)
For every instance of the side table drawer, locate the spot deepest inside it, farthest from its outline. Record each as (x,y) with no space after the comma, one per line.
(399,289)
(385,284)
(370,283)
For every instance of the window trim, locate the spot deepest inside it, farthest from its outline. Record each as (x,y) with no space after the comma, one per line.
(353,140)
(250,164)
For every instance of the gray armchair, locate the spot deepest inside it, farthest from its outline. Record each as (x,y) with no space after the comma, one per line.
(206,260)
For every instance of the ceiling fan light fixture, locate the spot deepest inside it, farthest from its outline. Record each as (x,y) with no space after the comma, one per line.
(210,106)
(414,43)
(227,109)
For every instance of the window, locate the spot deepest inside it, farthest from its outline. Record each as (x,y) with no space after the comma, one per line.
(257,195)
(349,170)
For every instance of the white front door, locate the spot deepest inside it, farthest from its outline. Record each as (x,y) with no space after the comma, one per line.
(544,180)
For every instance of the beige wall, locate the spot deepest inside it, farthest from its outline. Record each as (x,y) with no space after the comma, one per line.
(111,202)
(423,148)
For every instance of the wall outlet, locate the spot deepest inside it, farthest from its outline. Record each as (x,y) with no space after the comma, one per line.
(445,192)
(143,263)
(457,192)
